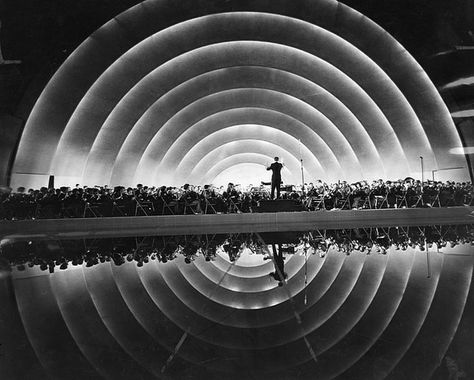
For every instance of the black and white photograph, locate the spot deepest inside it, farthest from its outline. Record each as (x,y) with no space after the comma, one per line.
(236,189)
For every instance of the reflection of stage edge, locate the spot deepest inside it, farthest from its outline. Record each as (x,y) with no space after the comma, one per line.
(230,223)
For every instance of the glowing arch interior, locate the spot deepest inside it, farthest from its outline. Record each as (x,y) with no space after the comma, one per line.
(140,97)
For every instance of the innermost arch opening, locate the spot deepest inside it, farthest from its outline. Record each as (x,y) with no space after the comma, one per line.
(246,259)
(244,174)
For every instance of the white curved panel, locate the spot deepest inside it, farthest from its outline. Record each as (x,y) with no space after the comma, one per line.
(268,54)
(243,132)
(132,50)
(288,172)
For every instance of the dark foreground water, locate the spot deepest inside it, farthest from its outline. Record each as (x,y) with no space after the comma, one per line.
(369,303)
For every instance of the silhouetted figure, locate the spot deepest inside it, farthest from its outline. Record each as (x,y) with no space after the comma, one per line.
(276,177)
(279,263)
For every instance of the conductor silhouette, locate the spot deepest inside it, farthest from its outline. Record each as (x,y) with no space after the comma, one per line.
(276,177)
(279,263)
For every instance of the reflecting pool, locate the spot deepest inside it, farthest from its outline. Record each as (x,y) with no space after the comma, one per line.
(353,304)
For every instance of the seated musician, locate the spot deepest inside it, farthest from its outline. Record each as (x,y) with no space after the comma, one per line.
(412,193)
(211,200)
(399,190)
(310,190)
(232,197)
(359,193)
(380,187)
(460,194)
(344,192)
(446,194)
(430,191)
(391,193)
(190,198)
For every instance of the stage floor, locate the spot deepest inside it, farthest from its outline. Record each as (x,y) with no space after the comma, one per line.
(230,223)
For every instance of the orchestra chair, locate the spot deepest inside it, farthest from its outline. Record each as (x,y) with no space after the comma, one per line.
(436,202)
(118,209)
(401,200)
(143,207)
(233,206)
(169,208)
(344,203)
(419,200)
(383,199)
(67,212)
(191,206)
(316,203)
(367,203)
(209,206)
(91,210)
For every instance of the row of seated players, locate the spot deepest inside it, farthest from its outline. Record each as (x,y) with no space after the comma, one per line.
(61,254)
(142,200)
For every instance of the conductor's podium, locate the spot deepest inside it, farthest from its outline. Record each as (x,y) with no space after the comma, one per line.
(279,205)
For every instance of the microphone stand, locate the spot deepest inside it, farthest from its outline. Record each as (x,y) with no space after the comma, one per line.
(428,266)
(302,173)
(422,173)
(302,177)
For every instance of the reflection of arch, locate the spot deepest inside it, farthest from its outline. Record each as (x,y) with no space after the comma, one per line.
(263,294)
(326,275)
(203,275)
(386,289)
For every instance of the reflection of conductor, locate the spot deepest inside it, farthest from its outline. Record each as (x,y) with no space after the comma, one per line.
(278,261)
(276,177)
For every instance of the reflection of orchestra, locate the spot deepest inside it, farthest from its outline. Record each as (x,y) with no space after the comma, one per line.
(53,254)
(97,201)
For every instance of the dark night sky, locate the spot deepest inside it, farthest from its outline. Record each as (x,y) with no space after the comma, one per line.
(39,31)
(42,33)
